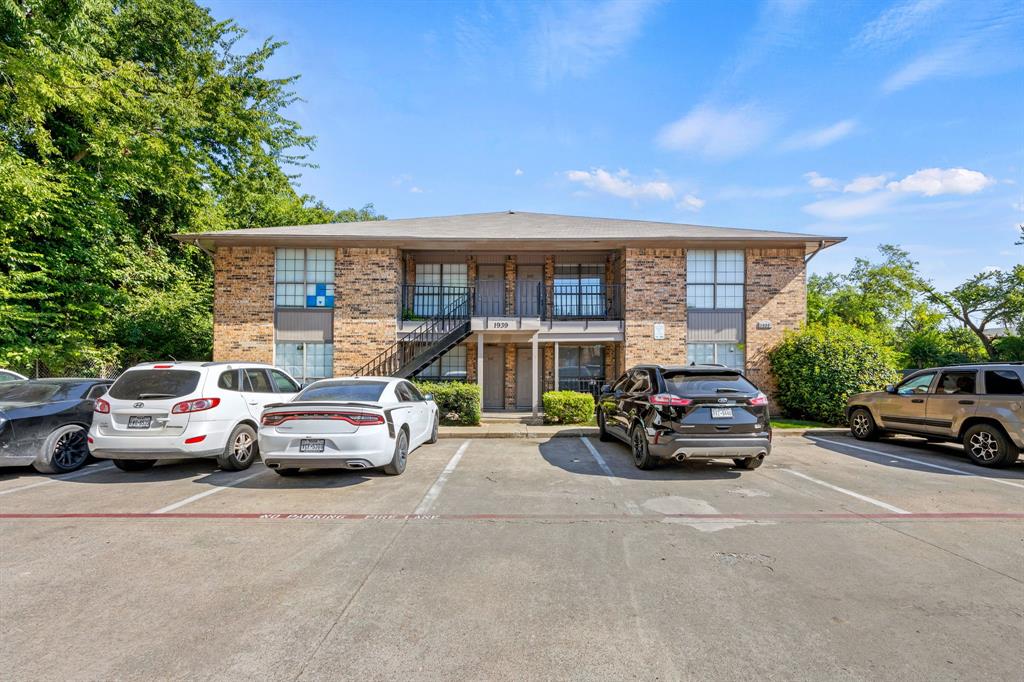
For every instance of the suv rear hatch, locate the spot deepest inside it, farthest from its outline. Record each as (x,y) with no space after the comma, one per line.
(719,402)
(141,401)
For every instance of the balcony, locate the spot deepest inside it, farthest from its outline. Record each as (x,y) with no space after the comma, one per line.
(530,299)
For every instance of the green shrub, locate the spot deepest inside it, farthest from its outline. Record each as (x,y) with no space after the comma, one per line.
(1009,348)
(458,404)
(819,367)
(568,407)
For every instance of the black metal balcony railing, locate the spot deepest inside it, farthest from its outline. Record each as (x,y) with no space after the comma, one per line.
(530,299)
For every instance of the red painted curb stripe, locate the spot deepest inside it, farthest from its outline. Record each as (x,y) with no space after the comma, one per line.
(813,516)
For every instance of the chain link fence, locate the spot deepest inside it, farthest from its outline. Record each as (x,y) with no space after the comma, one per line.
(87,370)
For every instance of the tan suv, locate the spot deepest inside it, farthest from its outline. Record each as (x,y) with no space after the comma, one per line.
(981,406)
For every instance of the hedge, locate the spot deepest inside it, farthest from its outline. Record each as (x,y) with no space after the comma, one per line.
(568,407)
(819,367)
(457,403)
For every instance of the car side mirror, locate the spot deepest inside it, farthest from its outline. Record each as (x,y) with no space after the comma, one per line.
(889,388)
(606,388)
(429,396)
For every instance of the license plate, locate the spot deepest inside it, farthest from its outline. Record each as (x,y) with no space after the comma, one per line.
(721,413)
(139,422)
(311,445)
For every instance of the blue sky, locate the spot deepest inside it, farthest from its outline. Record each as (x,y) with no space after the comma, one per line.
(896,122)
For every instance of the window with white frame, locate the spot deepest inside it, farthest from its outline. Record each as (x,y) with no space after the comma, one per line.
(304,278)
(449,367)
(729,354)
(438,286)
(714,279)
(305,361)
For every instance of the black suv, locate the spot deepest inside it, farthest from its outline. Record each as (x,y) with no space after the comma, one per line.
(684,413)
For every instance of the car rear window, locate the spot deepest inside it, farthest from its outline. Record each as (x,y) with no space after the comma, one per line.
(1003,382)
(693,383)
(154,384)
(31,392)
(344,390)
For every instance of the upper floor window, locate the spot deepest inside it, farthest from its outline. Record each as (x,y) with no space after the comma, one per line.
(579,290)
(714,279)
(304,278)
(438,287)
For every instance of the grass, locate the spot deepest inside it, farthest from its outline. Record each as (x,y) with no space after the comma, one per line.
(786,423)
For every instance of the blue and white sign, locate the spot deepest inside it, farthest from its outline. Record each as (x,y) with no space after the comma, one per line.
(320,299)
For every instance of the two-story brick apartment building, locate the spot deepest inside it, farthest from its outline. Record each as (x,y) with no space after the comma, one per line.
(518,302)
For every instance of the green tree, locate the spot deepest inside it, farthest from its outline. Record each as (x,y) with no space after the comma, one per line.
(994,296)
(121,123)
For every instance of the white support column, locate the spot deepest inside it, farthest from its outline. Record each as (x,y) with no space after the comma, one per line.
(556,366)
(536,397)
(480,366)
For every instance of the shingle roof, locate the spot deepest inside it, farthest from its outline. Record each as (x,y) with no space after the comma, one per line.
(506,226)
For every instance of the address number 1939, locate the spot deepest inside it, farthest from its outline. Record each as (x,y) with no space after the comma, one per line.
(499,325)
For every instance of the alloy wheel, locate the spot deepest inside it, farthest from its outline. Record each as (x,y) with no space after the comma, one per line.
(638,445)
(860,424)
(70,450)
(403,451)
(984,446)
(243,447)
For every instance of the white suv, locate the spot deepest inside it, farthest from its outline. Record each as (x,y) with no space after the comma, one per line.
(176,410)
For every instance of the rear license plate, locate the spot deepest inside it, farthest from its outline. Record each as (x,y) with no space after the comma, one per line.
(139,422)
(311,445)
(721,413)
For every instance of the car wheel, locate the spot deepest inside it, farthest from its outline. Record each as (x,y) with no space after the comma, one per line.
(862,425)
(397,464)
(286,472)
(642,457)
(64,450)
(433,433)
(749,463)
(134,464)
(987,446)
(240,450)
(602,430)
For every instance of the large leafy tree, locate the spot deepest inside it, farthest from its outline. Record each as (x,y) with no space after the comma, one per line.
(121,123)
(993,296)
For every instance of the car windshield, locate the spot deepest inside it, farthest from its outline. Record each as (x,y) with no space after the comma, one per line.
(704,383)
(344,391)
(33,392)
(154,384)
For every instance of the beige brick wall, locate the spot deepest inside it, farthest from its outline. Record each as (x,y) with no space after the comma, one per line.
(775,293)
(243,304)
(548,382)
(471,361)
(510,376)
(655,292)
(511,269)
(366,285)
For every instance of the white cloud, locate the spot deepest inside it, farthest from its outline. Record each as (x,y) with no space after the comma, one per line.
(822,137)
(574,39)
(845,209)
(865,183)
(691,203)
(897,23)
(621,184)
(518,172)
(932,182)
(718,133)
(818,181)
(415,190)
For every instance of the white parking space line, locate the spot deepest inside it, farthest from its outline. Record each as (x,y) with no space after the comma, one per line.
(435,490)
(883,453)
(207,493)
(631,508)
(87,471)
(863,498)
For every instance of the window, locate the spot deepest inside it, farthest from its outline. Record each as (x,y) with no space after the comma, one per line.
(304,278)
(351,389)
(414,392)
(579,291)
(641,382)
(257,381)
(1003,382)
(438,287)
(97,391)
(957,383)
(283,383)
(693,383)
(918,384)
(580,368)
(305,361)
(228,380)
(450,366)
(142,384)
(728,354)
(714,279)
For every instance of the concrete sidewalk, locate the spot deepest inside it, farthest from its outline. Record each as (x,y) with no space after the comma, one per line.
(571,431)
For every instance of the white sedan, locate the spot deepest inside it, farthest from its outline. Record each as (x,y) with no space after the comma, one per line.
(350,423)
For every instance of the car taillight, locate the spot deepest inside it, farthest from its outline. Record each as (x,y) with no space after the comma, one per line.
(759,399)
(101,406)
(668,399)
(354,418)
(197,405)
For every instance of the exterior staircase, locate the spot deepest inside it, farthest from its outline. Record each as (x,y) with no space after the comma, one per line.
(426,343)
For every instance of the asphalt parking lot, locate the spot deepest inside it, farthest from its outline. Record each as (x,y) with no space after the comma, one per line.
(521,559)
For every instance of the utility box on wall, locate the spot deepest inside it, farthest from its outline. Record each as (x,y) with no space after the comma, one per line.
(659,332)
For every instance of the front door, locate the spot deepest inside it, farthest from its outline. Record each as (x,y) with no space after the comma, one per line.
(494,377)
(905,409)
(490,290)
(524,372)
(528,285)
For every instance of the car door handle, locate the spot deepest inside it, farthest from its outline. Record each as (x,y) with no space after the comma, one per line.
(966,402)
(254,402)
(917,400)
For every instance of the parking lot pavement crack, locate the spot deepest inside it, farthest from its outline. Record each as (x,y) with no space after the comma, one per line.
(348,602)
